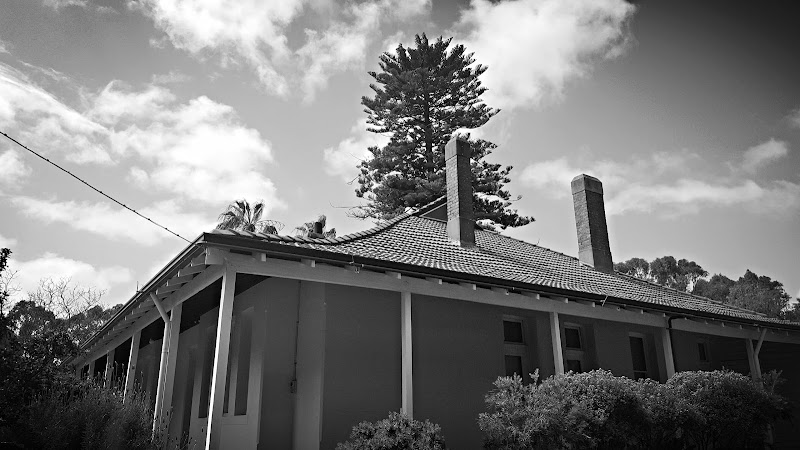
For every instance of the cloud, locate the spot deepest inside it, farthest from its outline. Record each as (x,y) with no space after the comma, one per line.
(13,169)
(254,34)
(55,266)
(197,150)
(7,242)
(534,47)
(58,4)
(794,118)
(4,47)
(343,159)
(113,222)
(45,123)
(764,153)
(661,184)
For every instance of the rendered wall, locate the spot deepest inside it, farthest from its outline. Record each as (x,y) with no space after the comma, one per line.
(362,359)
(458,350)
(277,404)
(610,346)
(723,352)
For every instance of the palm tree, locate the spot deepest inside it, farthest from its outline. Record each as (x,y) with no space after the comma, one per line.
(241,216)
(307,228)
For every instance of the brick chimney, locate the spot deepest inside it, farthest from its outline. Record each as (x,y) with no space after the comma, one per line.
(460,216)
(590,220)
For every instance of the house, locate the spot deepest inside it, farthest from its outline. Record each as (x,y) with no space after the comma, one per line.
(263,341)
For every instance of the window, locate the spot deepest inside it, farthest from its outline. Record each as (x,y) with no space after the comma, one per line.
(515,349)
(574,352)
(572,337)
(702,351)
(512,331)
(638,357)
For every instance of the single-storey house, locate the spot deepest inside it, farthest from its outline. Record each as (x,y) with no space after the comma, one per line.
(248,340)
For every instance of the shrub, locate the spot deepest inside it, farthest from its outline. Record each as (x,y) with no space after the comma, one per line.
(719,409)
(81,414)
(397,432)
(586,410)
(730,411)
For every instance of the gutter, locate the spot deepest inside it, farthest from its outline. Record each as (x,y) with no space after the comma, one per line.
(282,249)
(187,254)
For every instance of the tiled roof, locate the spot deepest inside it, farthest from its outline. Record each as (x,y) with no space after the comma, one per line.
(419,241)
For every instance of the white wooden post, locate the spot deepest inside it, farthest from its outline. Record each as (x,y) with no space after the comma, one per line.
(407,394)
(310,366)
(220,368)
(91,368)
(133,356)
(167,382)
(555,334)
(109,368)
(669,361)
(162,369)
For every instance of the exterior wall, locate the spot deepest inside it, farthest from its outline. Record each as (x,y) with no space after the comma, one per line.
(277,405)
(147,370)
(608,346)
(458,350)
(362,359)
(723,352)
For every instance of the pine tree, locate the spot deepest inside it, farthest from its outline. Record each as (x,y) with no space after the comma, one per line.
(422,96)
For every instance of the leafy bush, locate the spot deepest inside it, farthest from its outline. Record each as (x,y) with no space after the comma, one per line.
(730,411)
(397,432)
(719,409)
(80,414)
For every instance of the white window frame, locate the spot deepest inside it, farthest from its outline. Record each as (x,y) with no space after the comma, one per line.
(572,353)
(516,348)
(647,361)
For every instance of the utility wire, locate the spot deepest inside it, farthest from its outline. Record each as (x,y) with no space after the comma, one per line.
(97,190)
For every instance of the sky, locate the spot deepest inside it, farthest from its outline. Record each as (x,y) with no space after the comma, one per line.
(687,111)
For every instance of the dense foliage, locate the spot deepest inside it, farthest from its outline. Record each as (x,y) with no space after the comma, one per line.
(719,409)
(756,293)
(77,414)
(423,95)
(397,432)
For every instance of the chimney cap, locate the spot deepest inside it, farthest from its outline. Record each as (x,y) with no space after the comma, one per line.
(457,146)
(585,182)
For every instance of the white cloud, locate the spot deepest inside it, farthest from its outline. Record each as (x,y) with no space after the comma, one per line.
(13,169)
(55,266)
(198,150)
(7,242)
(57,4)
(764,153)
(343,159)
(4,47)
(533,47)
(45,123)
(254,33)
(341,47)
(113,222)
(794,118)
(661,184)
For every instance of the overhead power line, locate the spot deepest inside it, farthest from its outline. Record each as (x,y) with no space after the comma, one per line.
(95,189)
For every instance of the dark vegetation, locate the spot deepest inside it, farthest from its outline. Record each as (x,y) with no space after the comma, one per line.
(756,293)
(423,96)
(42,403)
(693,410)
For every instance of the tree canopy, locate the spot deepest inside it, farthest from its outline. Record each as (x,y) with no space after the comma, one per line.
(242,216)
(667,271)
(307,229)
(756,293)
(423,95)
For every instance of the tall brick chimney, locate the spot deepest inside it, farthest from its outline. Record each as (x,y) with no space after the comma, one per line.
(460,216)
(590,220)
